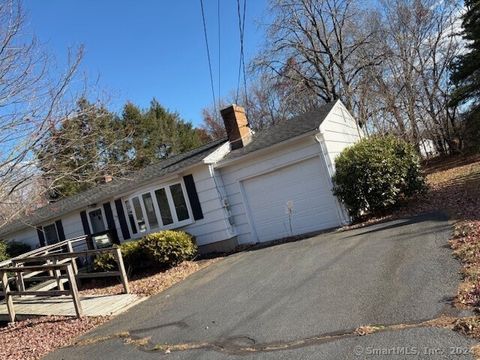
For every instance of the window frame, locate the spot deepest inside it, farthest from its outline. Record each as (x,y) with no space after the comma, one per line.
(103,218)
(54,224)
(151,190)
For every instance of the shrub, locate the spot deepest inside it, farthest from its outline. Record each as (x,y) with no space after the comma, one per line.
(12,248)
(168,248)
(15,248)
(134,258)
(376,173)
(163,249)
(3,251)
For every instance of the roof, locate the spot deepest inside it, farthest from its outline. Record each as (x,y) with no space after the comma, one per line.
(111,189)
(289,129)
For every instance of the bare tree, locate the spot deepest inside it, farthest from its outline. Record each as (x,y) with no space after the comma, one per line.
(323,45)
(412,83)
(32,101)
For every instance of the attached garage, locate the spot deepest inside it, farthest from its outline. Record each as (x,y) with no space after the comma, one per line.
(292,200)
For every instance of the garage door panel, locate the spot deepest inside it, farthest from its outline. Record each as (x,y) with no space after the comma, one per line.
(305,186)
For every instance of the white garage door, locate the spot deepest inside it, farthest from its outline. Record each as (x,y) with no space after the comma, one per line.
(290,201)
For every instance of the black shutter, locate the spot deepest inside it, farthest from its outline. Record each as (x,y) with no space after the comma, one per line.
(86,230)
(122,219)
(60,232)
(41,236)
(193,197)
(86,227)
(111,222)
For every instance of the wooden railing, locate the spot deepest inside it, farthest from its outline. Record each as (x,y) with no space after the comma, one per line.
(8,294)
(53,259)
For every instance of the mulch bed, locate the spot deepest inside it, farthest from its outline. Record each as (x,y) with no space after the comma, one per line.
(148,283)
(33,338)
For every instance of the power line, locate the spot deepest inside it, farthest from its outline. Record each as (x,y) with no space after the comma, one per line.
(219,53)
(241,28)
(209,60)
(241,65)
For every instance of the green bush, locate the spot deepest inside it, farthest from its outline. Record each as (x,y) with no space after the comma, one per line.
(134,257)
(15,248)
(162,249)
(12,248)
(3,251)
(169,248)
(376,173)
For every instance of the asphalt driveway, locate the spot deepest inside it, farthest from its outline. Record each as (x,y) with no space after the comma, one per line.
(302,300)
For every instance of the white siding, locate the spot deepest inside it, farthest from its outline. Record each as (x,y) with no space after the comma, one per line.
(279,156)
(339,130)
(213,226)
(72,225)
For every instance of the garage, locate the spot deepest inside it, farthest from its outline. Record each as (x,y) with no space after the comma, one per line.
(293,200)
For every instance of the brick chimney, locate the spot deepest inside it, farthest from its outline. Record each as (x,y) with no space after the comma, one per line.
(236,125)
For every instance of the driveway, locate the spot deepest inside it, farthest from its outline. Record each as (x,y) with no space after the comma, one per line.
(302,300)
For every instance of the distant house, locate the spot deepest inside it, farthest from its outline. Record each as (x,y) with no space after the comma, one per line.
(245,189)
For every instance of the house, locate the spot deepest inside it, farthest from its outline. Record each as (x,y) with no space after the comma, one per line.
(245,189)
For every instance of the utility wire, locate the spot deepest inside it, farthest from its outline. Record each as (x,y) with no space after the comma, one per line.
(209,60)
(219,53)
(241,28)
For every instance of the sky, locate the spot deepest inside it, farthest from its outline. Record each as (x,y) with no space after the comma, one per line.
(138,50)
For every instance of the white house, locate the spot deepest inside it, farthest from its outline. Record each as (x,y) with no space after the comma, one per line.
(246,189)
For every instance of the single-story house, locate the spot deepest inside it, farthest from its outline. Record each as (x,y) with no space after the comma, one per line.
(247,188)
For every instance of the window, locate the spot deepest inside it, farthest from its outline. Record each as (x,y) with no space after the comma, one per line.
(166,207)
(150,210)
(131,219)
(179,202)
(51,234)
(96,221)
(162,201)
(137,208)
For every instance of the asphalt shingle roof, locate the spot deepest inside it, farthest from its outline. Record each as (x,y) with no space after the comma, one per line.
(114,188)
(289,129)
(292,128)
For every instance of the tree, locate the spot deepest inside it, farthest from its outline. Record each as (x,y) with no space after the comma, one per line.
(81,151)
(466,75)
(95,143)
(466,68)
(321,46)
(157,133)
(32,100)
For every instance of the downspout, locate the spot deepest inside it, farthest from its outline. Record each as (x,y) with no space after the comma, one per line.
(341,211)
(227,215)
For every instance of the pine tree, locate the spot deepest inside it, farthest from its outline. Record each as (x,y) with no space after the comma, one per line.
(466,70)
(94,143)
(80,152)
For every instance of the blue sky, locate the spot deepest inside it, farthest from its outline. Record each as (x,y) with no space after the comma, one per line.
(149,48)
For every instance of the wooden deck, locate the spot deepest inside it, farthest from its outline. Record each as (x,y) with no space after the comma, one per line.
(28,306)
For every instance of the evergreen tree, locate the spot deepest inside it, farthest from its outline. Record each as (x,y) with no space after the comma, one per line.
(466,70)
(80,152)
(94,143)
(466,75)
